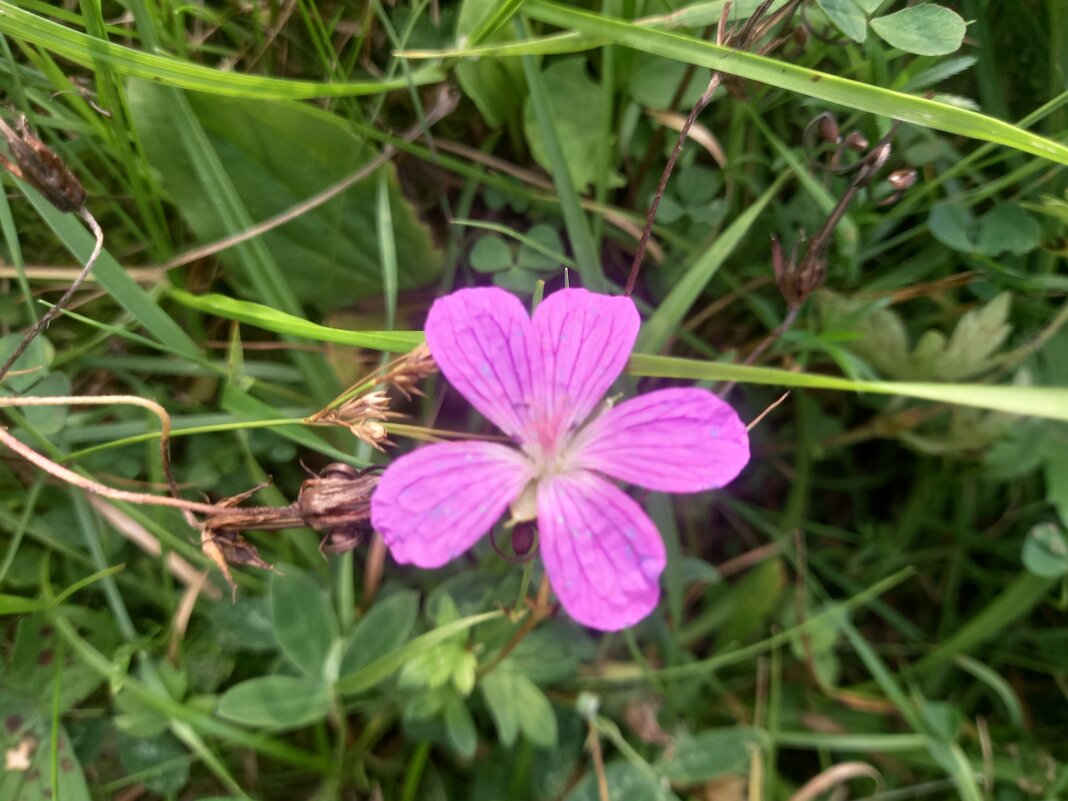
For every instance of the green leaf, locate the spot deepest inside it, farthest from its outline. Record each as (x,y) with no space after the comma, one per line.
(578,108)
(36,643)
(516,281)
(160,763)
(926,30)
(276,702)
(495,86)
(386,626)
(541,249)
(459,726)
(953,225)
(654,81)
(25,737)
(625,781)
(712,753)
(1056,472)
(433,667)
(277,154)
(382,668)
(753,600)
(303,620)
(491,254)
(92,52)
(1045,551)
(1007,228)
(848,17)
(48,420)
(244,625)
(500,699)
(33,363)
(516,703)
(976,338)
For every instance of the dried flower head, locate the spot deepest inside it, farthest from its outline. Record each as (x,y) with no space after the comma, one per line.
(416,365)
(541,381)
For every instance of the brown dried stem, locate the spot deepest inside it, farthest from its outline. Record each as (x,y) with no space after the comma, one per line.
(743,38)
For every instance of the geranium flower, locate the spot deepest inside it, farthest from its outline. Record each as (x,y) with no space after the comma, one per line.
(541,381)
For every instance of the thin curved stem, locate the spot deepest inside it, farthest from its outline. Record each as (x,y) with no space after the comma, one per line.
(54,311)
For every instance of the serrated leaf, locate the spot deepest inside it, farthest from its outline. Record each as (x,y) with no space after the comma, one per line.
(304,623)
(1045,551)
(491,254)
(926,30)
(978,335)
(386,626)
(848,17)
(275,702)
(712,753)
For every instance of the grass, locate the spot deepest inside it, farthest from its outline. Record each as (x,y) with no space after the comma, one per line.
(879,597)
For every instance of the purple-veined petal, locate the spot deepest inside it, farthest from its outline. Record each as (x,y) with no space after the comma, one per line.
(434,503)
(602,553)
(582,341)
(671,440)
(480,339)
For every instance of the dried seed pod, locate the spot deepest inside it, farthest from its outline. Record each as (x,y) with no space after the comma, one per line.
(339,498)
(38,165)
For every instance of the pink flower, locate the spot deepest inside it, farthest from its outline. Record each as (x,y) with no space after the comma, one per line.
(541,380)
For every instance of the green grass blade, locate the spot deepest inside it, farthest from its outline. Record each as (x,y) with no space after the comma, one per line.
(1048,402)
(123,289)
(498,16)
(819,85)
(270,319)
(578,229)
(1012,603)
(89,51)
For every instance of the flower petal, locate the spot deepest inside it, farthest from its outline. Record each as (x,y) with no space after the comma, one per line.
(602,553)
(671,440)
(582,343)
(434,503)
(479,338)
